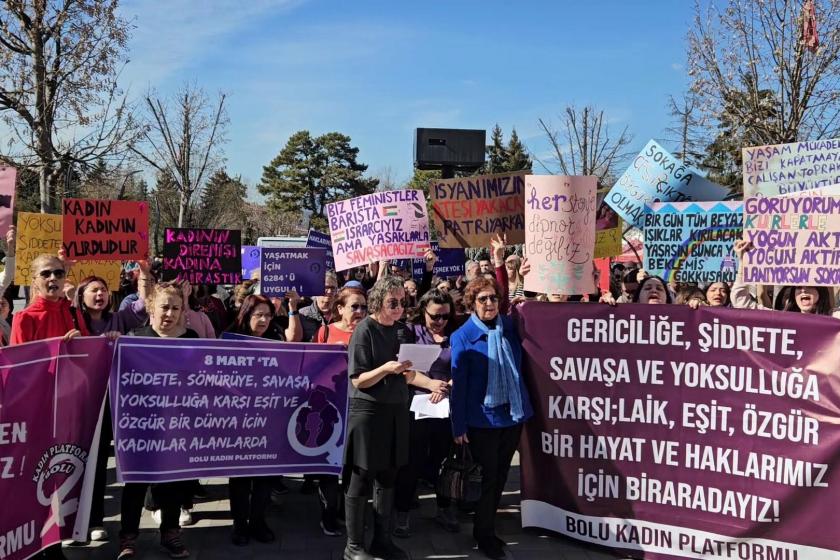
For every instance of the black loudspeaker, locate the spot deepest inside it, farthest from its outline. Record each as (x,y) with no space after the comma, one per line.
(436,148)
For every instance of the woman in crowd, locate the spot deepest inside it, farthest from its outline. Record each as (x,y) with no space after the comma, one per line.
(691,296)
(349,308)
(489,400)
(652,289)
(93,307)
(250,495)
(516,286)
(717,294)
(166,305)
(799,299)
(377,428)
(410,287)
(429,438)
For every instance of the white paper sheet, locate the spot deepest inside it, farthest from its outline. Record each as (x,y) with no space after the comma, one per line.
(422,407)
(421,356)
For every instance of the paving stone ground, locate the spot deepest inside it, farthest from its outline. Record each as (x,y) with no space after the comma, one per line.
(295,520)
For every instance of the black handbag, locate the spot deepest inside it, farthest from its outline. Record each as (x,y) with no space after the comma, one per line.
(460,476)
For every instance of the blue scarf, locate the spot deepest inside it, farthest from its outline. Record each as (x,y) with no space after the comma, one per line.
(502,375)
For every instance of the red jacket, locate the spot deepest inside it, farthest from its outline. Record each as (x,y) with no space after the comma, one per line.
(43,319)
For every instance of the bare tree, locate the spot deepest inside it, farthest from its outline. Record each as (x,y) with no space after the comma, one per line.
(751,51)
(584,146)
(58,87)
(184,142)
(689,130)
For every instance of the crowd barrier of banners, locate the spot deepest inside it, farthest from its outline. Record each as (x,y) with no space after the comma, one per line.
(693,241)
(788,168)
(469,211)
(185,409)
(676,433)
(380,226)
(51,395)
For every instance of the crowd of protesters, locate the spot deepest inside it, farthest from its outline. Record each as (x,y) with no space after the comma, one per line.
(371,311)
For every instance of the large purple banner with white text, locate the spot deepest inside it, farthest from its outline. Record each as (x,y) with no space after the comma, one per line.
(51,399)
(673,433)
(187,408)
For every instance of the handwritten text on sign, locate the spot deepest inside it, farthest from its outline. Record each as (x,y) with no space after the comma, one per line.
(693,241)
(657,176)
(789,168)
(105,229)
(40,234)
(284,270)
(379,226)
(203,256)
(560,233)
(681,433)
(796,240)
(469,211)
(187,409)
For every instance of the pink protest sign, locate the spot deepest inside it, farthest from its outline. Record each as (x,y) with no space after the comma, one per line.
(379,226)
(51,395)
(560,233)
(796,240)
(7,197)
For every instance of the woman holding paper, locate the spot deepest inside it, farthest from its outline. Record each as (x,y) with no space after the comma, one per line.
(165,306)
(429,440)
(489,401)
(377,427)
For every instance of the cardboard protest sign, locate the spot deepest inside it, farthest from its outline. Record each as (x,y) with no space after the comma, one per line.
(469,211)
(250,262)
(227,408)
(657,176)
(608,230)
(693,241)
(796,240)
(788,168)
(317,239)
(203,256)
(8,176)
(105,229)
(560,233)
(39,234)
(287,269)
(51,398)
(675,433)
(380,226)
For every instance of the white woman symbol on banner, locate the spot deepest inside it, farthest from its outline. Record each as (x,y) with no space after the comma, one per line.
(315,427)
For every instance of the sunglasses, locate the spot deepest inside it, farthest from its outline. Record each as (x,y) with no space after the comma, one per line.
(438,316)
(58,273)
(395,303)
(358,307)
(485,299)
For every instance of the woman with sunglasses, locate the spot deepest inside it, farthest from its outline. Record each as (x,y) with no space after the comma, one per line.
(377,426)
(429,438)
(489,400)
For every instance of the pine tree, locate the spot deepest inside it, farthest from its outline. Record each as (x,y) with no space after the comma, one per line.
(222,202)
(517,155)
(497,155)
(309,173)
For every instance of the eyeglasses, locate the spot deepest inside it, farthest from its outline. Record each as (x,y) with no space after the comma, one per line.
(330,289)
(58,273)
(485,299)
(438,316)
(395,303)
(359,307)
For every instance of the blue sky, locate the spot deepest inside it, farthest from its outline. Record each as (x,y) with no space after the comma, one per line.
(376,70)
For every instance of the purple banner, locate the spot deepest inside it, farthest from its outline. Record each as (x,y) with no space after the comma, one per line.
(683,434)
(286,269)
(51,397)
(450,263)
(250,262)
(186,408)
(320,240)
